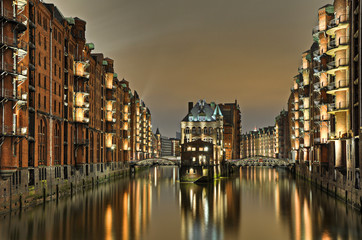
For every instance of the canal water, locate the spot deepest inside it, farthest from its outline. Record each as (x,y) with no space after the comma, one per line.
(256,203)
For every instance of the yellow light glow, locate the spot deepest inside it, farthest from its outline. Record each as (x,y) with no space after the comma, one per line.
(79,99)
(79,69)
(109,80)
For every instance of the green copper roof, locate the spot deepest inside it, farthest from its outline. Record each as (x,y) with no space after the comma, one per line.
(105,63)
(90,46)
(123,85)
(115,75)
(330,9)
(316,38)
(309,57)
(70,20)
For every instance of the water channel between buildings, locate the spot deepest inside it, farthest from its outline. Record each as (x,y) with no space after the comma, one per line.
(255,203)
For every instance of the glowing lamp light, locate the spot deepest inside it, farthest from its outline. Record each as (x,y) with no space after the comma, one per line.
(79,69)
(24,130)
(79,99)
(109,80)
(79,115)
(109,116)
(108,140)
(109,106)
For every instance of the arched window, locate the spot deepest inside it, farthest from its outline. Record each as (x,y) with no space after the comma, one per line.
(57,144)
(193,130)
(42,142)
(205,130)
(91,148)
(187,130)
(211,130)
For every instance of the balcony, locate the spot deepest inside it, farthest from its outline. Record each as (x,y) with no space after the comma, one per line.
(335,66)
(338,23)
(20,47)
(80,72)
(316,55)
(334,87)
(20,20)
(321,118)
(109,81)
(320,140)
(110,117)
(81,98)
(319,85)
(82,115)
(302,69)
(13,131)
(19,72)
(342,43)
(338,107)
(111,147)
(8,94)
(337,136)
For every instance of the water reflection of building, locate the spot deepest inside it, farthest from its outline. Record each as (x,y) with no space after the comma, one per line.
(209,211)
(303,209)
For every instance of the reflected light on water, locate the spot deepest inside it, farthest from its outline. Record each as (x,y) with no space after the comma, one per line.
(307,219)
(108,223)
(256,203)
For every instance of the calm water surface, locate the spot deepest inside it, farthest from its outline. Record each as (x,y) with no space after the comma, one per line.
(257,203)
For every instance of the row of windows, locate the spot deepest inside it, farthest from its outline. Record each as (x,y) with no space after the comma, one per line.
(57,36)
(201,149)
(210,140)
(43,23)
(56,104)
(43,84)
(206,130)
(59,53)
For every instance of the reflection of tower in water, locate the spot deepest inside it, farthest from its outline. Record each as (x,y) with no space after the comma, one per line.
(209,211)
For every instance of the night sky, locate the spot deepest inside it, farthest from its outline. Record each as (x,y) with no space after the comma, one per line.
(176,51)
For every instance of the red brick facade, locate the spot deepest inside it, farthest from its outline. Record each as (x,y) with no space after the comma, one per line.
(63,109)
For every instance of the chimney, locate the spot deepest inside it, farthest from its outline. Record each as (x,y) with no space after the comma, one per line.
(191,105)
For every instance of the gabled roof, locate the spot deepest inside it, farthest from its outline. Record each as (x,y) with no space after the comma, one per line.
(203,112)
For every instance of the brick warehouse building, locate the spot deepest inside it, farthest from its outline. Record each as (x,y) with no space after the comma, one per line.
(64,112)
(325,104)
(232,129)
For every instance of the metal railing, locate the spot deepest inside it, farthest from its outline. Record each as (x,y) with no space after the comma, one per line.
(14,43)
(9,94)
(13,130)
(344,18)
(337,85)
(339,135)
(11,69)
(337,42)
(5,13)
(338,106)
(315,29)
(336,64)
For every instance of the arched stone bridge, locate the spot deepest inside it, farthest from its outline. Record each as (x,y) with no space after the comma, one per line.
(261,161)
(164,161)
